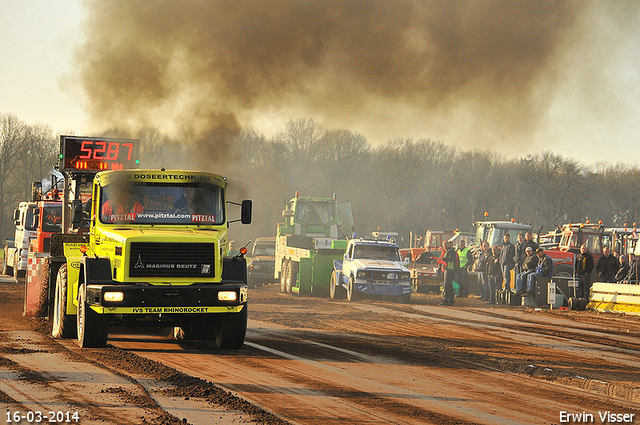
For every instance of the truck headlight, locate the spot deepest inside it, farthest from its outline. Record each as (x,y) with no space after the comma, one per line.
(227,296)
(255,266)
(362,274)
(113,297)
(404,275)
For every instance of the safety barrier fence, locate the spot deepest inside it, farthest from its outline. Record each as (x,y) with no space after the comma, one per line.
(615,297)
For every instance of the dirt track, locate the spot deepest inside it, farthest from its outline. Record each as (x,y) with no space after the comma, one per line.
(317,361)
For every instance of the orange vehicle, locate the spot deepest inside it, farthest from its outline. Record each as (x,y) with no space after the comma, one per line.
(432,242)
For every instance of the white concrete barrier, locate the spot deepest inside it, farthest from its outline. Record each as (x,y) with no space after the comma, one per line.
(615,297)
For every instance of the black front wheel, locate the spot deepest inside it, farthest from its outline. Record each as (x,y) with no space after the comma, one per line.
(63,325)
(231,329)
(93,328)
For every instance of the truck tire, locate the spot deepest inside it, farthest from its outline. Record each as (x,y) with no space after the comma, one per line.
(202,330)
(336,291)
(6,269)
(16,272)
(64,325)
(93,328)
(230,330)
(352,294)
(292,275)
(563,271)
(283,276)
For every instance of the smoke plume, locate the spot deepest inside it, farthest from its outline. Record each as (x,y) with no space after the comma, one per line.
(204,68)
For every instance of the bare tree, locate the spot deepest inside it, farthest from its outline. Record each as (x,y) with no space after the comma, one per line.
(12,137)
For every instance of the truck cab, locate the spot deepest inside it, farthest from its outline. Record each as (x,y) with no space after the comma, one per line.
(16,256)
(573,236)
(370,268)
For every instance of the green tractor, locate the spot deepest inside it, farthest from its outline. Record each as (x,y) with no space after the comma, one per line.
(314,233)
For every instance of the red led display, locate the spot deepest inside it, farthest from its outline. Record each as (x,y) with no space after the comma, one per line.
(97,154)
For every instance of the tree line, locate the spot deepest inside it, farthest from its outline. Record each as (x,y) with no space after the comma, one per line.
(403,185)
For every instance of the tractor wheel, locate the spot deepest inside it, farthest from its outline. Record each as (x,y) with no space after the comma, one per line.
(563,271)
(64,325)
(292,275)
(93,328)
(230,330)
(283,276)
(573,303)
(16,272)
(582,304)
(6,269)
(352,294)
(336,291)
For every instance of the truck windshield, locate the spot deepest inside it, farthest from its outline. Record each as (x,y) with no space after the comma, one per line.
(52,219)
(315,213)
(376,252)
(162,203)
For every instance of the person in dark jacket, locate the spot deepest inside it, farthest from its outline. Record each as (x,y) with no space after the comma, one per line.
(494,273)
(521,254)
(607,266)
(634,271)
(507,260)
(481,267)
(584,267)
(623,270)
(543,269)
(450,257)
(528,266)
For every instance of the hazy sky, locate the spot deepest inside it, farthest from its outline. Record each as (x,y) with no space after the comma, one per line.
(577,91)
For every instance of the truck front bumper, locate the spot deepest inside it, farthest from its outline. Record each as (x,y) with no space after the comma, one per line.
(393,289)
(191,299)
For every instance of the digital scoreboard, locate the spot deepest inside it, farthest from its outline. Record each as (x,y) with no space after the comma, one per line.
(97,154)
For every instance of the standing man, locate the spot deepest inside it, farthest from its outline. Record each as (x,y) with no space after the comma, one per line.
(521,255)
(483,280)
(494,273)
(623,269)
(507,260)
(450,257)
(607,266)
(584,267)
(465,259)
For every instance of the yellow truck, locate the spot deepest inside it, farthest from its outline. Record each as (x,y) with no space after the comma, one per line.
(143,248)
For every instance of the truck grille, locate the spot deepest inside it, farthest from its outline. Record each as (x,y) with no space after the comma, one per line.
(150,259)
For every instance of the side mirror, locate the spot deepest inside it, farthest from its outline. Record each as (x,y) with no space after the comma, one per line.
(34,221)
(245,215)
(76,212)
(16,215)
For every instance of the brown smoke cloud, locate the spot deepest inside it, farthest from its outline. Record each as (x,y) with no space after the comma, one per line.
(201,65)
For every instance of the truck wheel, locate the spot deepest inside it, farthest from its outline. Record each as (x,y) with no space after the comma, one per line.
(93,328)
(6,269)
(292,275)
(336,291)
(283,276)
(16,272)
(231,329)
(563,271)
(64,325)
(202,330)
(352,294)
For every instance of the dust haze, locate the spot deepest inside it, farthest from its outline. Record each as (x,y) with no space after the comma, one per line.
(474,73)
